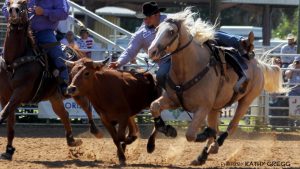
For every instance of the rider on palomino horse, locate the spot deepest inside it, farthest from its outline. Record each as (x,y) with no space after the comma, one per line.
(45,15)
(146,34)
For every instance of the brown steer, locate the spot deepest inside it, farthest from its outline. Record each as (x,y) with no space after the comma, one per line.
(116,96)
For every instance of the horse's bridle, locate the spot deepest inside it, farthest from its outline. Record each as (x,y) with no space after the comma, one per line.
(22,9)
(179,48)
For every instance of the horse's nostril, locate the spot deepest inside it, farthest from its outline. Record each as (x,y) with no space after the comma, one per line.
(153,53)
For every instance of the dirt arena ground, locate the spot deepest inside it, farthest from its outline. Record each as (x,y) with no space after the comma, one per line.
(45,147)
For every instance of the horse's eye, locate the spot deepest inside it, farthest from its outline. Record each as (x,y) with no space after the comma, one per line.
(171,32)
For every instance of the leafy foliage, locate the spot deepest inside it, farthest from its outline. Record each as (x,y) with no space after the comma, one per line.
(287,24)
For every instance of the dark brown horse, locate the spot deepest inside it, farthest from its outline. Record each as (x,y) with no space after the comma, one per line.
(20,76)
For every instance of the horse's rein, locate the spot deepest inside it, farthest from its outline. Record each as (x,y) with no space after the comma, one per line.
(178,49)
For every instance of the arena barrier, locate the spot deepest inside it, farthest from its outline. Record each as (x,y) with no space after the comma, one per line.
(267,110)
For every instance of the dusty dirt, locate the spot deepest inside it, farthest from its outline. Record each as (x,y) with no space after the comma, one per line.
(45,147)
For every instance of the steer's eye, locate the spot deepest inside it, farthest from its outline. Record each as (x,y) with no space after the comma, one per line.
(86,74)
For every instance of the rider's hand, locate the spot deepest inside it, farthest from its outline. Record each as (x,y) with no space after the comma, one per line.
(38,10)
(114,65)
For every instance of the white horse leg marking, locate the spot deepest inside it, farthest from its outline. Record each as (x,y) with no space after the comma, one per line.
(212,121)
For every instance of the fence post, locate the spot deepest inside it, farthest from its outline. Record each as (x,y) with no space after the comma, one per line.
(266,108)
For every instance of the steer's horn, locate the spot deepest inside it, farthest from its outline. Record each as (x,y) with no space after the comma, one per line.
(68,63)
(100,63)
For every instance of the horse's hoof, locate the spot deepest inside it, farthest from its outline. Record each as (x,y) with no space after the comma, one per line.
(221,138)
(207,133)
(75,143)
(213,148)
(122,163)
(171,131)
(98,135)
(6,156)
(150,147)
(196,162)
(96,132)
(201,137)
(130,139)
(122,159)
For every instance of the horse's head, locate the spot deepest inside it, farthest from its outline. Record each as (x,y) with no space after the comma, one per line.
(82,73)
(18,13)
(166,39)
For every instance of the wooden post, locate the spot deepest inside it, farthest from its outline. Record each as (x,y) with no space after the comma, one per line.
(214,10)
(88,21)
(266,26)
(298,36)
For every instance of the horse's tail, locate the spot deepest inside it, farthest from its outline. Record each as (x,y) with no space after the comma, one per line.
(273,78)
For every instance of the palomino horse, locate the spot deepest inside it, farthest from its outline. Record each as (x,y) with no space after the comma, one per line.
(208,91)
(20,75)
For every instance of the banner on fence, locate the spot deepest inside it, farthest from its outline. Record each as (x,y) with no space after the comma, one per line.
(294,108)
(176,115)
(46,111)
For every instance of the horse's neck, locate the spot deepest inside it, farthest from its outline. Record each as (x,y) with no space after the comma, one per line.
(15,45)
(188,62)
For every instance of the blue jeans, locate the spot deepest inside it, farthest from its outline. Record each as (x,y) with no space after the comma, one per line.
(45,37)
(228,40)
(162,72)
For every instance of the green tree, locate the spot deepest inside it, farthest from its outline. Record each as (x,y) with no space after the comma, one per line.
(287,24)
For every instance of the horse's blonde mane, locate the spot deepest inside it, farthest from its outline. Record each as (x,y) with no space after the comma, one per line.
(199,29)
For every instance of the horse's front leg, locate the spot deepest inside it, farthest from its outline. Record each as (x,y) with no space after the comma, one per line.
(83,102)
(58,107)
(10,137)
(241,110)
(209,133)
(191,134)
(156,107)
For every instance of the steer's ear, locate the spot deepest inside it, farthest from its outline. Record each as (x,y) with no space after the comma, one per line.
(101,63)
(68,63)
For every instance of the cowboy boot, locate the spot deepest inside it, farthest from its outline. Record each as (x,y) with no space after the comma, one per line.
(241,85)
(63,85)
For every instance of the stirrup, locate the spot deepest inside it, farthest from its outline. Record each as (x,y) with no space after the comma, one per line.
(238,88)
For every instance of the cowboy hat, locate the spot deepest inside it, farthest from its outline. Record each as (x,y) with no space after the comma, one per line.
(149,8)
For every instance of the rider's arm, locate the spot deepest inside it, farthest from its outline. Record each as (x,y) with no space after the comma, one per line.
(59,11)
(132,50)
(4,9)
